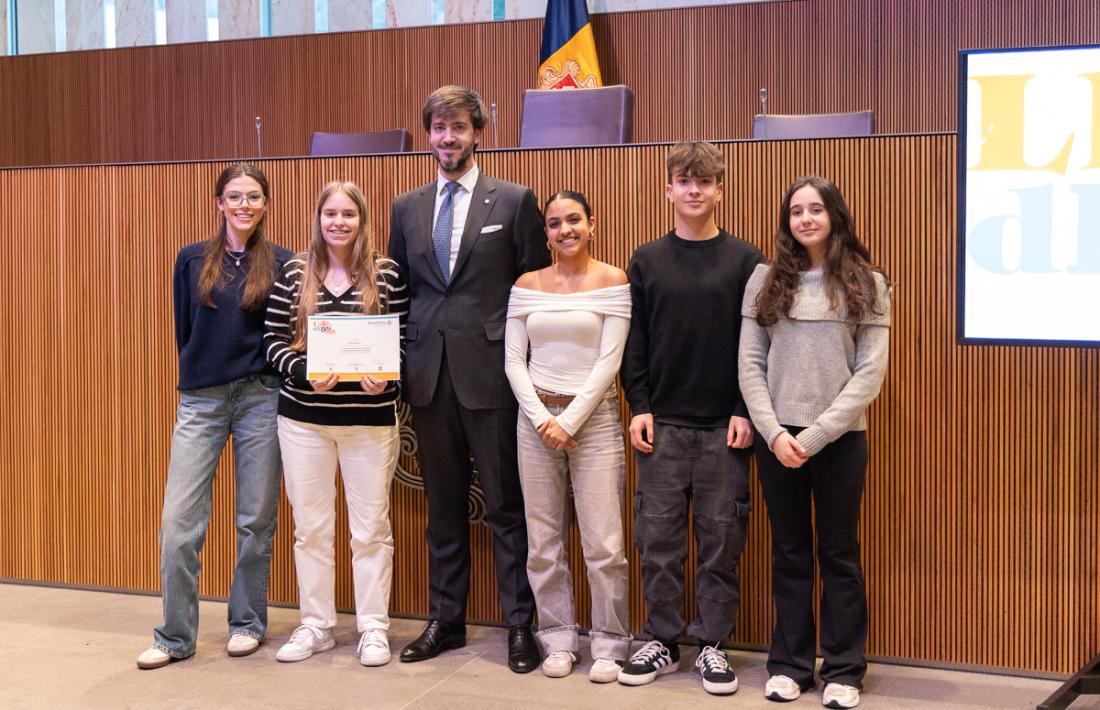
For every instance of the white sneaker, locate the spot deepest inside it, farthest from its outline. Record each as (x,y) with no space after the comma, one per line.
(153,657)
(840,696)
(304,642)
(782,689)
(558,664)
(605,670)
(241,645)
(374,648)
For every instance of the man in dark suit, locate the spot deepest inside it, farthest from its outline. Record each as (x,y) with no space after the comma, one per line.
(461,241)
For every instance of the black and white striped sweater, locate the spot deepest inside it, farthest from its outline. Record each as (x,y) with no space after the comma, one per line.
(346,404)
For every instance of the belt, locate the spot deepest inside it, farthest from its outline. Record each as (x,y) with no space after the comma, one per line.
(552,399)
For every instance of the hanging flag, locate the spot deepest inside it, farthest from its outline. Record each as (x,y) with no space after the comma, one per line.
(568,57)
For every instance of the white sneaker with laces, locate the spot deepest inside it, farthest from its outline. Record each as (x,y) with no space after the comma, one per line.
(374,648)
(153,657)
(241,645)
(605,670)
(558,664)
(304,642)
(782,689)
(837,695)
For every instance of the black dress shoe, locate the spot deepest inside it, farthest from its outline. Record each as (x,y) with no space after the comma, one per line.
(437,636)
(523,652)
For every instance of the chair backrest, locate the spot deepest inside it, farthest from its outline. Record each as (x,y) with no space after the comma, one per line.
(812,125)
(371,143)
(573,117)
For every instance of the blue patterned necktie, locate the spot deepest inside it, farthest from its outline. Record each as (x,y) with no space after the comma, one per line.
(441,235)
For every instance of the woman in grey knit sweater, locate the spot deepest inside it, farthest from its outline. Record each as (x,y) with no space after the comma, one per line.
(814,344)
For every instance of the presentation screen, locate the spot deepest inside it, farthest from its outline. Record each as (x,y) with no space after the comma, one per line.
(1029,196)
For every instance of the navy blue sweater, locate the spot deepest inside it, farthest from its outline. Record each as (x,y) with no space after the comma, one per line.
(216,345)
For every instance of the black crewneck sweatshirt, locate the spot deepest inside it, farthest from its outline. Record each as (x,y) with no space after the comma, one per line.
(680,362)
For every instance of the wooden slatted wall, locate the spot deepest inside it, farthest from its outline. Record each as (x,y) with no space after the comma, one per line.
(982,511)
(696,73)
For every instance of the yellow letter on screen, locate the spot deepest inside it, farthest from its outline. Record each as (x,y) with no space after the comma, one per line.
(1094,79)
(1002,129)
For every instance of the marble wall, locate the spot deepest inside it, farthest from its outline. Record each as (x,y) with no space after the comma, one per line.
(468,11)
(628,5)
(84,24)
(134,23)
(408,13)
(238,18)
(525,9)
(186,19)
(350,15)
(292,17)
(36,26)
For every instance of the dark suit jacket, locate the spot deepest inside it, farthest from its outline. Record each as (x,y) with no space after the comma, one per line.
(503,238)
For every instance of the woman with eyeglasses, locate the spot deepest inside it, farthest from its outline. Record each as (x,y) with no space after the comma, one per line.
(325,422)
(220,288)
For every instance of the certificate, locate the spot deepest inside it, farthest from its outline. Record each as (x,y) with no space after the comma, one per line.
(353,346)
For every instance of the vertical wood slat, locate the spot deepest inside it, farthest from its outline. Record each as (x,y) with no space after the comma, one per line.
(695,72)
(981,515)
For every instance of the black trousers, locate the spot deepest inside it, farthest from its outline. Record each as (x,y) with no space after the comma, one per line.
(446,434)
(826,491)
(691,468)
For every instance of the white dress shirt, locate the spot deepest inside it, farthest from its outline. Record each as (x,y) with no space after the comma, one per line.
(460,204)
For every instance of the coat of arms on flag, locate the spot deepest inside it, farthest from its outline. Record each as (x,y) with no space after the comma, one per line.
(568,56)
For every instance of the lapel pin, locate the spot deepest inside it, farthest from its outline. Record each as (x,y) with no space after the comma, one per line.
(486,200)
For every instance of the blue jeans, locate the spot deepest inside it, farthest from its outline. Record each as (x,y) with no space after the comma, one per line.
(205,418)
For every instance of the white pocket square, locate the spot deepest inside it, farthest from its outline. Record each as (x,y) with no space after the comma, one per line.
(492,228)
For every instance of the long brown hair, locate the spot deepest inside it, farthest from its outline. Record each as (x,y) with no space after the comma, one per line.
(849,273)
(361,268)
(263,270)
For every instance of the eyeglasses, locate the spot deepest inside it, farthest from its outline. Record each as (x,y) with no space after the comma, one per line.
(236,199)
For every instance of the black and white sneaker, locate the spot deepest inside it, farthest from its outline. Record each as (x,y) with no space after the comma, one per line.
(648,662)
(714,667)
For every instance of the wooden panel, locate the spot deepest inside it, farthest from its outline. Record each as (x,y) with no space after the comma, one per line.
(981,516)
(696,73)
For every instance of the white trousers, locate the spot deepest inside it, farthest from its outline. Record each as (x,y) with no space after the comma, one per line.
(367,456)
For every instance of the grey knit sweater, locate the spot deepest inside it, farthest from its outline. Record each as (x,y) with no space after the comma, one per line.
(812,369)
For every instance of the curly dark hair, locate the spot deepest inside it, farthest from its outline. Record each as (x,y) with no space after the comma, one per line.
(849,274)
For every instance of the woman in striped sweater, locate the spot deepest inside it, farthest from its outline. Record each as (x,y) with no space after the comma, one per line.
(325,422)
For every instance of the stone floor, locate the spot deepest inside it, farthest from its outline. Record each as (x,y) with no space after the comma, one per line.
(65,648)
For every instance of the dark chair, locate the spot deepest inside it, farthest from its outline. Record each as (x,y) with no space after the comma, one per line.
(812,125)
(563,118)
(371,143)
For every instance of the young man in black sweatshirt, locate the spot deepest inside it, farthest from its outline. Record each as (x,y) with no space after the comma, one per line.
(690,428)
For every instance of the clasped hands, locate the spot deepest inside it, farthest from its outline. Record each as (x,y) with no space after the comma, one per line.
(554,437)
(789,451)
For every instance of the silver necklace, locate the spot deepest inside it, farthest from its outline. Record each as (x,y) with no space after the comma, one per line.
(236,257)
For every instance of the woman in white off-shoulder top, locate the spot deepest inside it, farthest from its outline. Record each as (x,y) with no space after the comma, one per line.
(567,325)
